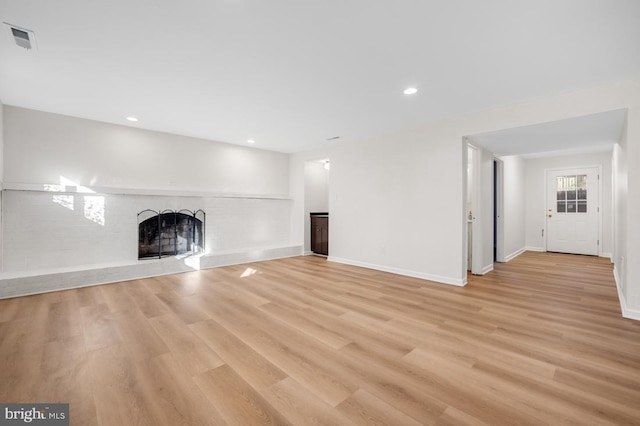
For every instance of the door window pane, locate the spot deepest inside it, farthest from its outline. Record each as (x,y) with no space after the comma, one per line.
(581,181)
(571,194)
(582,206)
(582,187)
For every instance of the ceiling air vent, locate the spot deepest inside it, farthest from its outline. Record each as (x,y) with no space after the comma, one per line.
(21,36)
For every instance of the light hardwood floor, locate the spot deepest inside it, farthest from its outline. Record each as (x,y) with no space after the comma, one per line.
(303,341)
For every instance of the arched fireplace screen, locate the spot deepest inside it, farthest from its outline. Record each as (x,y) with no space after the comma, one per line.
(170,233)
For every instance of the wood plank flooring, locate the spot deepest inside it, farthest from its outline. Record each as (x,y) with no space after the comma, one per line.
(302,341)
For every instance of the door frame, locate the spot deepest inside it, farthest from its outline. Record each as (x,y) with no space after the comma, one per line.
(546,195)
(499,208)
(474,214)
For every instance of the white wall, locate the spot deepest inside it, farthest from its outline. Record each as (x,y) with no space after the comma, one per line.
(1,143)
(513,215)
(1,181)
(316,195)
(397,203)
(630,220)
(535,199)
(41,147)
(316,186)
(620,189)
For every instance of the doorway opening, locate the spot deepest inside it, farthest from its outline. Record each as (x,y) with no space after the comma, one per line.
(484,205)
(498,210)
(316,203)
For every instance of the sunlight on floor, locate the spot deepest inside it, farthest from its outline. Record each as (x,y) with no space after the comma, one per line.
(248,272)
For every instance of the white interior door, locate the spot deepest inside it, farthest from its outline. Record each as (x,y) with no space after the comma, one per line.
(573,207)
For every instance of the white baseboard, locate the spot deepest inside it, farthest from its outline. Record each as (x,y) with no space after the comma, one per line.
(532,248)
(44,281)
(515,254)
(627,312)
(487,269)
(430,277)
(542,249)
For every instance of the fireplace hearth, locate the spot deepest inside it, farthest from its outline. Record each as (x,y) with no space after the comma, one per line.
(170,233)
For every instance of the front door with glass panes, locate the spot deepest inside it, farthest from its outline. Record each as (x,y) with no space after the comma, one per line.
(572,210)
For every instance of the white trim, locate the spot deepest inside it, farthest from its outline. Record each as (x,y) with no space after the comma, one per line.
(486,269)
(515,254)
(40,187)
(44,281)
(600,210)
(532,248)
(542,249)
(478,213)
(499,213)
(627,312)
(398,271)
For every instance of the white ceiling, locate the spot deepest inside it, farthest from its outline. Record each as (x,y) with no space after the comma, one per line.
(291,74)
(595,132)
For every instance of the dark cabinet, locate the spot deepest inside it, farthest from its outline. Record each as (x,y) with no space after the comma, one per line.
(320,233)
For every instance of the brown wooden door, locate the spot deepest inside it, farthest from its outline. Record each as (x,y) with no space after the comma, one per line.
(320,235)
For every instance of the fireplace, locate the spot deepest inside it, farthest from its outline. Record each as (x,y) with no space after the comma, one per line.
(170,233)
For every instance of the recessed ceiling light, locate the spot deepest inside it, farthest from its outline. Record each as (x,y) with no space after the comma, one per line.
(410,91)
(132,119)
(251,141)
